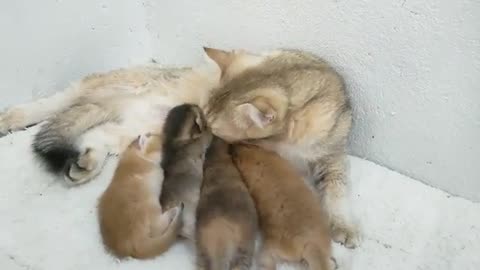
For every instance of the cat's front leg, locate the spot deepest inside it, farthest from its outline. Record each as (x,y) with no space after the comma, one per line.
(334,188)
(24,115)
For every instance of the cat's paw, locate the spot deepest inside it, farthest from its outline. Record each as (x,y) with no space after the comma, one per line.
(345,233)
(88,165)
(11,120)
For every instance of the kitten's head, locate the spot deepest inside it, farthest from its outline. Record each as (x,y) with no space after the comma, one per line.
(185,129)
(250,103)
(148,146)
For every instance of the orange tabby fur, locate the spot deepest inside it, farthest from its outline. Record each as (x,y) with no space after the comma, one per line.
(131,219)
(292,222)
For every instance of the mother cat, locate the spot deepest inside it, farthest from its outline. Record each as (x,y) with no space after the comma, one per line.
(289,101)
(294,103)
(102,113)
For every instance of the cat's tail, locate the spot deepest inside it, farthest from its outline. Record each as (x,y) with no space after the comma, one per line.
(54,143)
(154,246)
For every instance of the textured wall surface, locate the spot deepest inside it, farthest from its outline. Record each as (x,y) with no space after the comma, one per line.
(45,44)
(412,66)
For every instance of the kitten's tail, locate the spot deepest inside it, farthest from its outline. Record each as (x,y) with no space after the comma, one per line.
(54,143)
(154,246)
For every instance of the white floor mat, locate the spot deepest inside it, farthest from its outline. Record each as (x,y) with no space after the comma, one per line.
(45,225)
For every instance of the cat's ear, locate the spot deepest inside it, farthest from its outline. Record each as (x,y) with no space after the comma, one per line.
(221,57)
(261,117)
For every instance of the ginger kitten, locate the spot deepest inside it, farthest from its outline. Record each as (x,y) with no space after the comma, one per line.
(226,217)
(293,225)
(294,103)
(187,137)
(132,222)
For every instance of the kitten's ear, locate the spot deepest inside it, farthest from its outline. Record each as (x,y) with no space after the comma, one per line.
(222,58)
(260,117)
(194,126)
(141,141)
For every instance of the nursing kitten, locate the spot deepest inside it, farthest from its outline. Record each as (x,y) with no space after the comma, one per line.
(226,217)
(292,223)
(132,222)
(294,103)
(186,138)
(123,97)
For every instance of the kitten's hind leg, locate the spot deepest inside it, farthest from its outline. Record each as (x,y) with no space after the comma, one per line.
(203,262)
(243,259)
(27,114)
(163,221)
(265,260)
(318,258)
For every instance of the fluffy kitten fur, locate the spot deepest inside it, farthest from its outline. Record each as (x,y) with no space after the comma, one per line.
(186,139)
(294,103)
(132,222)
(124,100)
(294,229)
(226,217)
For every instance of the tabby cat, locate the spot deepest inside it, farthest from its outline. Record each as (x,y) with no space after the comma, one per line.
(294,103)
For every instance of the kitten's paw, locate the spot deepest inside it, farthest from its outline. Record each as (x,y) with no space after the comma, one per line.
(88,165)
(346,234)
(11,120)
(174,216)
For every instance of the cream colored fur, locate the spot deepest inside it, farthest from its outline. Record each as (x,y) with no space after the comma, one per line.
(101,112)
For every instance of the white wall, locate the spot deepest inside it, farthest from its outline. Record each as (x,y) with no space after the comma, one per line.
(46,44)
(412,66)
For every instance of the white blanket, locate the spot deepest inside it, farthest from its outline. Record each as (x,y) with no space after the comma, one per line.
(45,225)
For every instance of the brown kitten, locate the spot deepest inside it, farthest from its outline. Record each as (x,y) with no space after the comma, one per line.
(226,217)
(293,226)
(294,103)
(187,137)
(131,219)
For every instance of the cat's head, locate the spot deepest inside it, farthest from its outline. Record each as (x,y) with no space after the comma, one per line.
(149,146)
(250,103)
(232,63)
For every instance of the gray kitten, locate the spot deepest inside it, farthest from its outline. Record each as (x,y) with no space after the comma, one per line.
(226,216)
(186,138)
